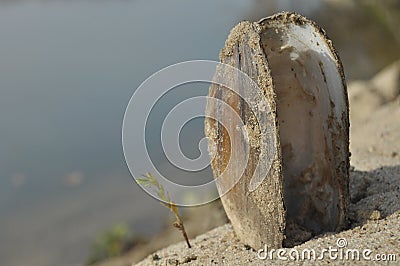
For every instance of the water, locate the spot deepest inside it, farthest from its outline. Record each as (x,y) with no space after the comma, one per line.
(67,71)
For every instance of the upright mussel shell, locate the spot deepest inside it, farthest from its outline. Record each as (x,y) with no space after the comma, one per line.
(304,191)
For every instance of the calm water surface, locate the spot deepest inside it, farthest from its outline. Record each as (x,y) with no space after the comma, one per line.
(67,71)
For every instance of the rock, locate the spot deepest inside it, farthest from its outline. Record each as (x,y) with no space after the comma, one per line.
(363,100)
(387,82)
(365,96)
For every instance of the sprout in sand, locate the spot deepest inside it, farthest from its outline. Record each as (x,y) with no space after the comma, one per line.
(148,180)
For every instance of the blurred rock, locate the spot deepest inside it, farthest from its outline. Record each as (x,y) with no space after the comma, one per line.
(387,82)
(363,100)
(365,96)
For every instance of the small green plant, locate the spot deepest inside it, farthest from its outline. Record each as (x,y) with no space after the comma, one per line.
(148,180)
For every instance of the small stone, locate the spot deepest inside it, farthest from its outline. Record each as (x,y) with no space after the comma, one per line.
(369,215)
(247,247)
(156,257)
(189,258)
(375,215)
(172,262)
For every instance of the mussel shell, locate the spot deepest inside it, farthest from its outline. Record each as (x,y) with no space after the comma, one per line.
(301,139)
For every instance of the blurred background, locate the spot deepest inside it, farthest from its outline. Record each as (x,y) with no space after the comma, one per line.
(67,72)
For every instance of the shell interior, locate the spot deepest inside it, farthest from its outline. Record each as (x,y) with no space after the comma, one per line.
(310,106)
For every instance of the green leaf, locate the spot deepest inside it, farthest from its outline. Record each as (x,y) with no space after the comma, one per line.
(143,181)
